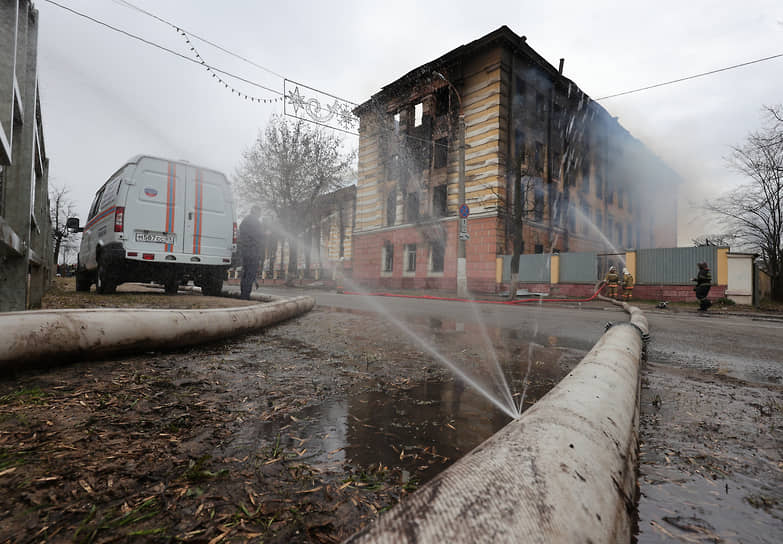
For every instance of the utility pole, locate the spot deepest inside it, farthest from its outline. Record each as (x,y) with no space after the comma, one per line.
(462,231)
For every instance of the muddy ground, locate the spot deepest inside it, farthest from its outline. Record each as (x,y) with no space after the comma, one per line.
(303,432)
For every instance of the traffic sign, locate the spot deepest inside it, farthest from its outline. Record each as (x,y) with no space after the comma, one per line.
(464,211)
(463,224)
(464,236)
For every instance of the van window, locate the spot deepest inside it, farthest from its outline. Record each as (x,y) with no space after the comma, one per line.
(96,203)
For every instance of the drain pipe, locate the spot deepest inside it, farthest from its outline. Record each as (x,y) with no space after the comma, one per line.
(49,336)
(563,472)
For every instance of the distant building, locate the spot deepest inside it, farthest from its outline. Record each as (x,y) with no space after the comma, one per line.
(545,167)
(25,227)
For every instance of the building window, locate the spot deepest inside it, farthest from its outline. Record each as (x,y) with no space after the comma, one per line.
(397,123)
(410,258)
(538,158)
(437,252)
(391,208)
(630,235)
(610,227)
(539,248)
(556,160)
(441,153)
(540,106)
(557,116)
(439,201)
(585,218)
(519,145)
(388,256)
(538,204)
(412,208)
(418,114)
(599,219)
(442,101)
(585,175)
(619,235)
(394,167)
(521,89)
(620,195)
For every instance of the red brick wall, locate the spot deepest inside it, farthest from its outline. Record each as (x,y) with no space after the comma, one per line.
(480,256)
(674,292)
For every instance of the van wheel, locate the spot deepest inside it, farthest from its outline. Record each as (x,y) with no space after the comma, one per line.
(172,286)
(105,283)
(212,286)
(83,280)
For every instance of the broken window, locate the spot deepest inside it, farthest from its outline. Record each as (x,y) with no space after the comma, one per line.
(439,201)
(391,208)
(437,252)
(538,204)
(539,248)
(538,158)
(519,144)
(397,123)
(519,96)
(441,153)
(540,106)
(388,256)
(412,208)
(410,258)
(585,175)
(418,114)
(556,160)
(442,96)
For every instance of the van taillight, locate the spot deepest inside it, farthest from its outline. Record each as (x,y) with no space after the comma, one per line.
(119,218)
(235,234)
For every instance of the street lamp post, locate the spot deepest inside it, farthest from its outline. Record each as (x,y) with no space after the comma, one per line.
(462,233)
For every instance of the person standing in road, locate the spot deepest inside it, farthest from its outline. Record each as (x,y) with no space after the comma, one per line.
(611,280)
(627,284)
(251,249)
(703,283)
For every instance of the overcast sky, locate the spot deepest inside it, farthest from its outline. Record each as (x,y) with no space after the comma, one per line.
(106,97)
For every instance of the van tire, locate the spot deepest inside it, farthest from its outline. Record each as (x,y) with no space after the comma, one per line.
(104,281)
(212,286)
(83,280)
(171,286)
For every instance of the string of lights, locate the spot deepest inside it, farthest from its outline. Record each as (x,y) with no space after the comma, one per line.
(220,79)
(163,48)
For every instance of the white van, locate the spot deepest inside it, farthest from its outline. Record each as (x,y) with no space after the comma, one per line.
(158,220)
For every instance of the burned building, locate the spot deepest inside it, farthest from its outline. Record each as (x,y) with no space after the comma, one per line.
(546,168)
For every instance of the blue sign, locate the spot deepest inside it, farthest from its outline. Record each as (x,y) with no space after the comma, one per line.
(464,211)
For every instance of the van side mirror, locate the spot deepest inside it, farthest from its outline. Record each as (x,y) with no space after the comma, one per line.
(72,224)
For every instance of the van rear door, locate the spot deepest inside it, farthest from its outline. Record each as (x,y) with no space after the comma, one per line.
(209,214)
(155,209)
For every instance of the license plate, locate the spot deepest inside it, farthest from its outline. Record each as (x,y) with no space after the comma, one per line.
(155,237)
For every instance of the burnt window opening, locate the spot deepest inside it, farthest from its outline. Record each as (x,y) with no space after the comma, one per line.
(519,145)
(410,258)
(620,197)
(585,175)
(440,201)
(388,256)
(418,114)
(557,116)
(540,106)
(556,160)
(442,103)
(629,230)
(437,254)
(394,167)
(599,219)
(538,204)
(599,186)
(609,193)
(441,153)
(519,93)
(619,235)
(538,158)
(586,219)
(539,248)
(396,122)
(412,208)
(391,208)
(610,227)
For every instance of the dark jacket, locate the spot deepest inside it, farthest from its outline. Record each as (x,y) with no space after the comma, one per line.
(251,238)
(703,282)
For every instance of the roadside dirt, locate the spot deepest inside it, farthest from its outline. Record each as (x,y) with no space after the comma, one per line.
(301,433)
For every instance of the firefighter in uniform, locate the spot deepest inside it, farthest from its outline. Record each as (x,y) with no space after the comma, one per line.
(703,282)
(627,284)
(611,280)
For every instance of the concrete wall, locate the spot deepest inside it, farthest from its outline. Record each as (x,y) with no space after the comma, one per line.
(25,229)
(740,277)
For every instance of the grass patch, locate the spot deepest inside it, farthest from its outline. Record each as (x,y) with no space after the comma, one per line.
(33,395)
(197,473)
(88,530)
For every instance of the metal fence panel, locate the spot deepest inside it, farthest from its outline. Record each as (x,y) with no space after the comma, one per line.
(578,267)
(674,266)
(507,268)
(534,268)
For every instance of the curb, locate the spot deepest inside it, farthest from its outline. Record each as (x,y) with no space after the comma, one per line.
(49,336)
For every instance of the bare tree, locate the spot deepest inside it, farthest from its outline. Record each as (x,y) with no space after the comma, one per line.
(288,167)
(754,210)
(61,207)
(714,240)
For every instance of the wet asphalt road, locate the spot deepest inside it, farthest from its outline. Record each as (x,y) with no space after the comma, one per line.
(742,347)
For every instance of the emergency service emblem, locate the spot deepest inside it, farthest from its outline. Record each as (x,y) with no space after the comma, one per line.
(150,192)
